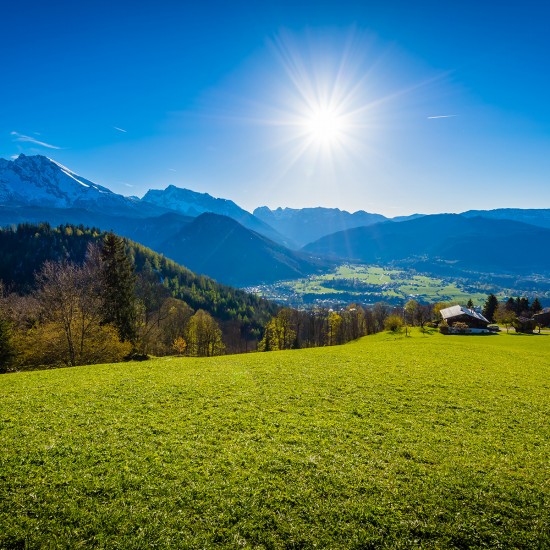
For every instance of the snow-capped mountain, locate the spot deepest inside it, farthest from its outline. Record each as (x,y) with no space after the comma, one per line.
(40,181)
(38,188)
(192,203)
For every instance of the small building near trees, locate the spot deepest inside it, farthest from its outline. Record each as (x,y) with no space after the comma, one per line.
(524,324)
(466,320)
(542,319)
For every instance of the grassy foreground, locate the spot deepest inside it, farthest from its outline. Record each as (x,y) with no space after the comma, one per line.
(422,442)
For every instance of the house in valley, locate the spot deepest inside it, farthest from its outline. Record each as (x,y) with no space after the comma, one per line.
(475,322)
(542,319)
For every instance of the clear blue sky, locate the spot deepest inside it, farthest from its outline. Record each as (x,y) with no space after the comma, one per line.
(224,98)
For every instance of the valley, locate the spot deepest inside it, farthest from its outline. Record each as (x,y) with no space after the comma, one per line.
(368,284)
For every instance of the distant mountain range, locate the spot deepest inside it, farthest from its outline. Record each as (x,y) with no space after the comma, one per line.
(468,243)
(534,216)
(216,237)
(37,189)
(305,225)
(41,182)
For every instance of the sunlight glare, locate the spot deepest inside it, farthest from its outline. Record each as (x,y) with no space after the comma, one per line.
(325,125)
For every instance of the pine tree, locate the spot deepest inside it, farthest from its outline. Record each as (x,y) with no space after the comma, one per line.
(470,304)
(511,304)
(7,351)
(522,306)
(536,306)
(490,307)
(118,280)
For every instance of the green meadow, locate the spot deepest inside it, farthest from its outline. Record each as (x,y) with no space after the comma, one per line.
(388,442)
(371,284)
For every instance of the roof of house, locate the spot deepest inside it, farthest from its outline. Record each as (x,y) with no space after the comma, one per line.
(456,311)
(542,314)
(523,319)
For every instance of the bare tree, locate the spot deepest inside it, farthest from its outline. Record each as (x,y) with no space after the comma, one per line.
(70,301)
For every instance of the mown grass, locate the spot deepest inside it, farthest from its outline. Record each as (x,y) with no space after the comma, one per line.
(388,442)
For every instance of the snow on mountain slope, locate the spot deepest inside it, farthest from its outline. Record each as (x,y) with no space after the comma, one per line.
(193,203)
(40,181)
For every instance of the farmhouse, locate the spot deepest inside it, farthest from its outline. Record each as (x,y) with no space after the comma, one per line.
(524,324)
(460,314)
(542,319)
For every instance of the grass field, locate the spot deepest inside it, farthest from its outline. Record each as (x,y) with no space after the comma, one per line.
(388,442)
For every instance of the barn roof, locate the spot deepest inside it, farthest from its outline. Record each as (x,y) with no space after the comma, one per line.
(456,311)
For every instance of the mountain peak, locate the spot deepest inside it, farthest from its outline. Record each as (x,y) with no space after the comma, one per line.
(37,180)
(193,203)
(304,225)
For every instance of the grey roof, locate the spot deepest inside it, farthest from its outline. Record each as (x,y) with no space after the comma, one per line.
(455,311)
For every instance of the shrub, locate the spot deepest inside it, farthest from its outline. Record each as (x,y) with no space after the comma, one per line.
(179,345)
(460,328)
(393,323)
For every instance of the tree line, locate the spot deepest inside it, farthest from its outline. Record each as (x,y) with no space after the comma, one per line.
(293,329)
(514,312)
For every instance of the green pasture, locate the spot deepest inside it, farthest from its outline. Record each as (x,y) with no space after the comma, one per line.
(390,283)
(427,441)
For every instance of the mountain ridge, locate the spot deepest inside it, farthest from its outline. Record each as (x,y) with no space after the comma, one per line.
(470,242)
(225,250)
(192,203)
(304,225)
(40,181)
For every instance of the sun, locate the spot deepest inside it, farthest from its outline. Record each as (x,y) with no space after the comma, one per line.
(324,124)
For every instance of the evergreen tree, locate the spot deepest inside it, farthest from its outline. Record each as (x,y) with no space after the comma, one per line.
(7,350)
(536,306)
(470,304)
(490,307)
(522,306)
(119,281)
(511,304)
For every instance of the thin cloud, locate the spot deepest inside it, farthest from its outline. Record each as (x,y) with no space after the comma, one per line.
(442,116)
(171,169)
(120,129)
(29,139)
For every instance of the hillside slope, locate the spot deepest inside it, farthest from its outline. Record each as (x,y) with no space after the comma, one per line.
(470,243)
(25,249)
(422,442)
(222,248)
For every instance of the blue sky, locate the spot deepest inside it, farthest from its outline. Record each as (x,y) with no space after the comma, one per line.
(226,98)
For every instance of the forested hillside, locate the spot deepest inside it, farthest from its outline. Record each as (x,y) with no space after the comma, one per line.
(159,282)
(226,250)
